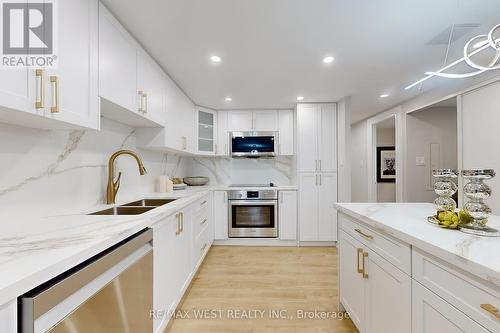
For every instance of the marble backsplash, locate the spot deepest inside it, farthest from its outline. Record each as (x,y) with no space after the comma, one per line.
(46,172)
(56,172)
(225,171)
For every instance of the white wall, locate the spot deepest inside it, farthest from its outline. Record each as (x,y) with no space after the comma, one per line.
(481,102)
(386,192)
(480,110)
(436,126)
(359,163)
(57,172)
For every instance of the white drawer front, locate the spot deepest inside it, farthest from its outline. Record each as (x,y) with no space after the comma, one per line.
(202,203)
(457,289)
(201,220)
(201,245)
(394,251)
(432,314)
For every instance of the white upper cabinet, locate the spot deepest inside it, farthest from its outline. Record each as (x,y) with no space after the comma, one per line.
(117,63)
(67,92)
(222,146)
(240,121)
(263,120)
(307,140)
(317,137)
(178,134)
(150,88)
(72,91)
(266,120)
(286,129)
(131,84)
(206,126)
(327,141)
(17,90)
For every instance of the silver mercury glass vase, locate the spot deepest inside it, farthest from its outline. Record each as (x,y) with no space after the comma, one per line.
(444,187)
(477,191)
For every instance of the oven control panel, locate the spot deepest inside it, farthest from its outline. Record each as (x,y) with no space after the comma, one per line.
(252,194)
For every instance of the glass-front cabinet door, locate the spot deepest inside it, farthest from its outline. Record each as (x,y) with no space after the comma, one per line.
(206,120)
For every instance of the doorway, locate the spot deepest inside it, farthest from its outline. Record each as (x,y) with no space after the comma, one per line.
(431,135)
(385,155)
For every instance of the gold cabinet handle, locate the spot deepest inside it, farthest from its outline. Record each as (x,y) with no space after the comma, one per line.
(141,101)
(370,237)
(365,274)
(184,142)
(204,247)
(145,109)
(40,89)
(177,229)
(491,309)
(203,222)
(54,81)
(182,221)
(360,270)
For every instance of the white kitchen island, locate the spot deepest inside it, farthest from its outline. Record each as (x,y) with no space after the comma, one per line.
(399,273)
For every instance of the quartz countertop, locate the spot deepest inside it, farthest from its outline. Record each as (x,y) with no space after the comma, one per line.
(32,251)
(477,255)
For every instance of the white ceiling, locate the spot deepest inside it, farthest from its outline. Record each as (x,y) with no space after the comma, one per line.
(272,50)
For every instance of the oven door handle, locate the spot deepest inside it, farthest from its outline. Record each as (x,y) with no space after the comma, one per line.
(253,202)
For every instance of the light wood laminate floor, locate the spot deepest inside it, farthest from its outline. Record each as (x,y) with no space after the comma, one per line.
(257,280)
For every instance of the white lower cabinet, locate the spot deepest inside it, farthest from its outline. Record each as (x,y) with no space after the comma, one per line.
(387,296)
(8,317)
(432,314)
(177,255)
(221,215)
(164,279)
(287,215)
(382,294)
(372,289)
(351,282)
(317,215)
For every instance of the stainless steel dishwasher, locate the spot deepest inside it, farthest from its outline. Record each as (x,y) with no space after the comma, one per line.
(111,292)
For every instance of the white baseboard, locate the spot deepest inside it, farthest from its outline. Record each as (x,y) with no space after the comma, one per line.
(255,242)
(318,244)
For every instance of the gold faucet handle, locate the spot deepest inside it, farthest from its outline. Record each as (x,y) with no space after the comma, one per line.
(116,183)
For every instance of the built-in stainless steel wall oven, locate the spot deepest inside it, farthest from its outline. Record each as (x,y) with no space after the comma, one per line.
(253,213)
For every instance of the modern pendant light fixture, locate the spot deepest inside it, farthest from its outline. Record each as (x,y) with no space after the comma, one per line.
(479,44)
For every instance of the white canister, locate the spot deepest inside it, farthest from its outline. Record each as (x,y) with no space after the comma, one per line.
(162,184)
(169,185)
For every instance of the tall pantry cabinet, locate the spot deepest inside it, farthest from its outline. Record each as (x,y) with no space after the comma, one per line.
(317,171)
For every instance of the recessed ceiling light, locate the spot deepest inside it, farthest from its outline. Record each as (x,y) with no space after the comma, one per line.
(228,99)
(215,58)
(300,98)
(384,96)
(328,59)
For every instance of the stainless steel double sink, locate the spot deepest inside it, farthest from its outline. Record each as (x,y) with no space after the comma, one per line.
(134,208)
